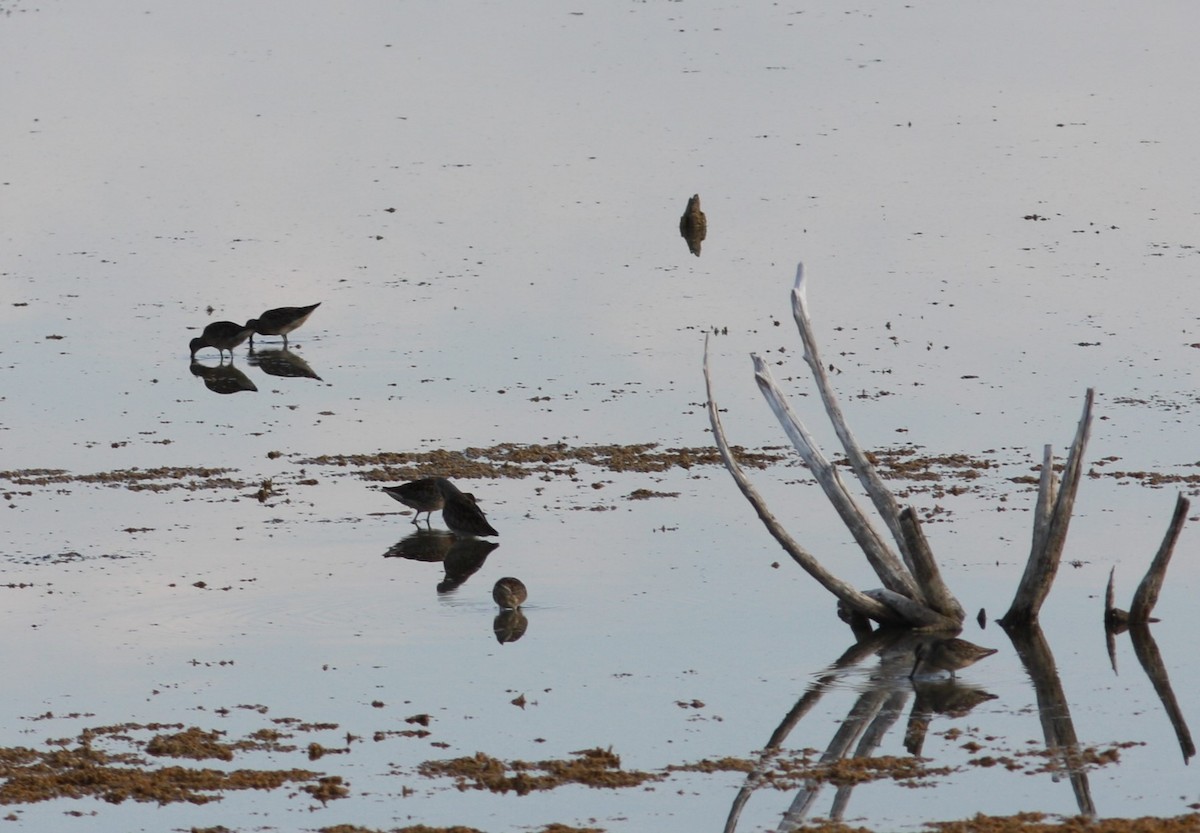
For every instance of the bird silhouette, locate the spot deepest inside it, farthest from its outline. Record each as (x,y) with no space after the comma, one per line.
(280,321)
(224,335)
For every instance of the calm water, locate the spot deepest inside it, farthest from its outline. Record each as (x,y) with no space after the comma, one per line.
(996,208)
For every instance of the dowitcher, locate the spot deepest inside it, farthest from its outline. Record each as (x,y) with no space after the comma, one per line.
(421,495)
(948,655)
(693,225)
(280,322)
(461,513)
(224,335)
(509,593)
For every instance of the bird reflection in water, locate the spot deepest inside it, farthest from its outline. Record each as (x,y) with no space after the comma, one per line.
(946,655)
(281,362)
(509,625)
(429,545)
(224,378)
(463,560)
(944,696)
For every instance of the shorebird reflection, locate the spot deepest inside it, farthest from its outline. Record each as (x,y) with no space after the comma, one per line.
(429,545)
(947,655)
(463,560)
(224,378)
(281,362)
(509,625)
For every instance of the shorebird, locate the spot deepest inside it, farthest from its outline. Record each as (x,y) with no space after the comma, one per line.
(460,512)
(948,655)
(280,322)
(693,225)
(509,593)
(422,495)
(224,335)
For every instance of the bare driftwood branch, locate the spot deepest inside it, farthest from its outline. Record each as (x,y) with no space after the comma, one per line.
(860,464)
(914,614)
(1047,548)
(1147,593)
(848,594)
(925,568)
(885,563)
(1047,494)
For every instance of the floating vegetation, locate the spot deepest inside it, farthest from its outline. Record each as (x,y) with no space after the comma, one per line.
(160,479)
(599,768)
(80,768)
(517,460)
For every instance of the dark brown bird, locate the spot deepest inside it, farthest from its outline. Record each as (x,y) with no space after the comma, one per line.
(421,495)
(693,225)
(948,655)
(224,335)
(280,322)
(461,513)
(510,593)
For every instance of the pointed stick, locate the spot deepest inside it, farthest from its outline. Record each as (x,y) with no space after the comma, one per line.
(847,593)
(1147,593)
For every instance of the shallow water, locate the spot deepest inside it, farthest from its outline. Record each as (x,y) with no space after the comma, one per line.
(486,204)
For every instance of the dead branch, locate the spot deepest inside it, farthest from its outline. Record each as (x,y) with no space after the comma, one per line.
(925,568)
(860,464)
(885,563)
(852,598)
(1147,593)
(1050,535)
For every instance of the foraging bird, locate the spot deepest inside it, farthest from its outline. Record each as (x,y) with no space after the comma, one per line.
(280,322)
(461,513)
(224,335)
(510,593)
(693,225)
(422,495)
(948,655)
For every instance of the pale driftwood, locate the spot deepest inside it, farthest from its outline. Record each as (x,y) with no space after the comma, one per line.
(1047,494)
(1046,551)
(881,557)
(853,599)
(1147,593)
(860,464)
(925,568)
(914,614)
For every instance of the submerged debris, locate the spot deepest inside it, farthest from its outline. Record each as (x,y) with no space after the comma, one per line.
(597,768)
